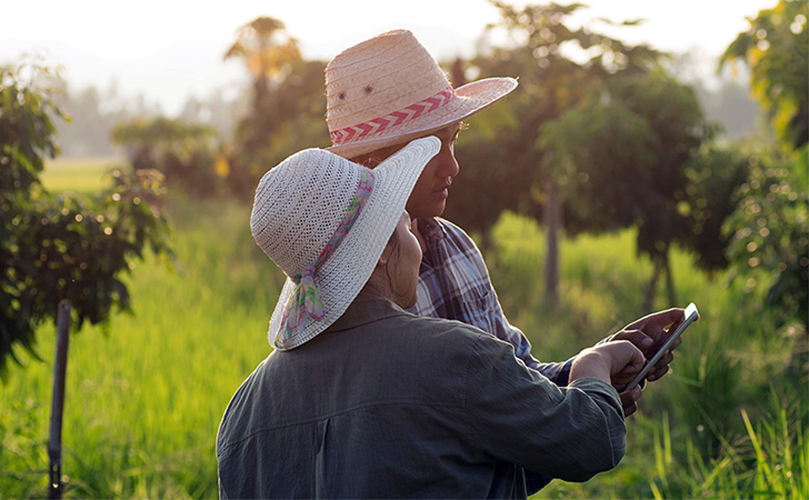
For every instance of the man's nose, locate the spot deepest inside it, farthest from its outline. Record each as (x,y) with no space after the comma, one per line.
(447,164)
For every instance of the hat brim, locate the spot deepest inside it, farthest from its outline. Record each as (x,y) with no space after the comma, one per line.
(468,100)
(347,270)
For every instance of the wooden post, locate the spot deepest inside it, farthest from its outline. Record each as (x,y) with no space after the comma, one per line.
(58,401)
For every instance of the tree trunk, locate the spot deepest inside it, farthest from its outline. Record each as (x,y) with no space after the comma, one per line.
(670,290)
(651,288)
(552,218)
(662,266)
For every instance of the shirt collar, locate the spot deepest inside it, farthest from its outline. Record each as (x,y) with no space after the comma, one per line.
(432,229)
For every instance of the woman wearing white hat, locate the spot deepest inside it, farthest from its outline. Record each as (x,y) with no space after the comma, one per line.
(361,399)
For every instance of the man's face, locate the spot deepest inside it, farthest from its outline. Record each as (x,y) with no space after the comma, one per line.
(429,196)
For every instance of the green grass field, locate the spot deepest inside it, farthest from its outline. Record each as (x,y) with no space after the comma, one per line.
(144,397)
(79,174)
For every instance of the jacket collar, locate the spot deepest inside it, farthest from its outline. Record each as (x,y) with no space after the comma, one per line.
(363,311)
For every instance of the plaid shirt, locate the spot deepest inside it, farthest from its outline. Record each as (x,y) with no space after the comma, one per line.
(454,284)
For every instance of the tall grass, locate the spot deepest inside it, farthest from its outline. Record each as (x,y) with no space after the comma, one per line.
(144,398)
(769,461)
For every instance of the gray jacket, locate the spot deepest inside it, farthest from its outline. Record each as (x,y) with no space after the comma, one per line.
(386,404)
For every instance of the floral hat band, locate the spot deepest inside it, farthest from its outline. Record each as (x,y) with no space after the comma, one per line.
(305,296)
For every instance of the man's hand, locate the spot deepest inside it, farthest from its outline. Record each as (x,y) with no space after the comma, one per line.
(648,334)
(629,400)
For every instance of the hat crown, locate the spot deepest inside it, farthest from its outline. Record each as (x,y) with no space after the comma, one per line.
(388,91)
(299,205)
(380,76)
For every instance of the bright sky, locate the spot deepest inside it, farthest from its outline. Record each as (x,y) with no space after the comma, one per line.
(168,50)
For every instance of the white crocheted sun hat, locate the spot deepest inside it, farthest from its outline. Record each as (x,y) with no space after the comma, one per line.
(388,90)
(325,221)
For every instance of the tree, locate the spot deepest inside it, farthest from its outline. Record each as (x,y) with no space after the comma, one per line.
(69,247)
(184,153)
(776,48)
(556,65)
(268,52)
(714,175)
(621,158)
(287,102)
(769,229)
(769,234)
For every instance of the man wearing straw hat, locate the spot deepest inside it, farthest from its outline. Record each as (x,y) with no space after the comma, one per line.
(388,90)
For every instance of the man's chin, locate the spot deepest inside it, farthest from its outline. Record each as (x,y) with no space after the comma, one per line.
(436,211)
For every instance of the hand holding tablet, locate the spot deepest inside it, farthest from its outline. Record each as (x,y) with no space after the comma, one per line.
(691,315)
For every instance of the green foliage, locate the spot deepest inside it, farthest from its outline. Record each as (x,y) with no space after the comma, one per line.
(184,153)
(70,247)
(623,154)
(713,174)
(143,405)
(287,117)
(776,48)
(26,137)
(26,134)
(556,65)
(621,159)
(769,231)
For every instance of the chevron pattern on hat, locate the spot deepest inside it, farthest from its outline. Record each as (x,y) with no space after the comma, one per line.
(392,120)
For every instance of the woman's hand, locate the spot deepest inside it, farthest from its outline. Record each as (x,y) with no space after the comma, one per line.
(608,361)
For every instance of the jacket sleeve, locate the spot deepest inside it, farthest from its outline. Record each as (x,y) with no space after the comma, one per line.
(519,416)
(557,372)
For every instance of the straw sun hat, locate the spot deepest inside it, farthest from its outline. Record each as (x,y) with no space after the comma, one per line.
(388,90)
(325,221)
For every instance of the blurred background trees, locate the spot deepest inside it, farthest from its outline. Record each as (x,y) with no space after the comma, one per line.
(776,49)
(599,136)
(185,153)
(599,81)
(623,154)
(287,102)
